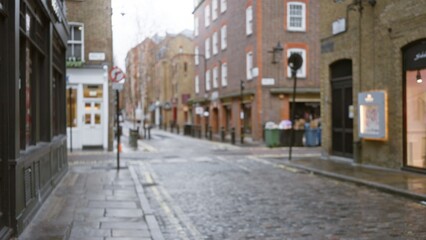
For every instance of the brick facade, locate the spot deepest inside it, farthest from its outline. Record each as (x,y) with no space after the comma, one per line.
(373,40)
(261,103)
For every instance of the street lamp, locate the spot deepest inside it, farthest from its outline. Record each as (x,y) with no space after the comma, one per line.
(295,61)
(276,52)
(242,112)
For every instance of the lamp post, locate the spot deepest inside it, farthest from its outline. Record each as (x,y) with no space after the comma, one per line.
(70,114)
(295,61)
(242,111)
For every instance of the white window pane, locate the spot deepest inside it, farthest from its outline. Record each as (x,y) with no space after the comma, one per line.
(249,64)
(301,73)
(224,71)
(215,77)
(207,15)
(296,16)
(215,9)
(223,37)
(196,25)
(208,82)
(215,43)
(249,20)
(223,5)
(197,84)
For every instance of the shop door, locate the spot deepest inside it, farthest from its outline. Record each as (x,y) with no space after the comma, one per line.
(342,124)
(92,134)
(2,195)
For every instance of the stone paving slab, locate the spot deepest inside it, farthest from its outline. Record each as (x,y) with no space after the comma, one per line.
(93,202)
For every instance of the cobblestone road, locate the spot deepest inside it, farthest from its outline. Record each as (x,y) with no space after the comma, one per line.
(204,190)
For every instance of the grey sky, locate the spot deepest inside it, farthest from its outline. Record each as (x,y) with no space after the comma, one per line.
(145,18)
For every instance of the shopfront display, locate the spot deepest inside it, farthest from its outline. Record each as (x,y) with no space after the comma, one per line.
(415,106)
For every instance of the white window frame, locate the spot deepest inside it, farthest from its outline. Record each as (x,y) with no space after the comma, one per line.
(249,65)
(249,20)
(223,37)
(223,6)
(224,73)
(208,81)
(196,26)
(207,48)
(301,73)
(215,43)
(290,16)
(215,77)
(74,42)
(215,9)
(197,56)
(197,84)
(207,16)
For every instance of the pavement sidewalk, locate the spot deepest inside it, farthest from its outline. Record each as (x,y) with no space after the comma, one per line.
(399,182)
(95,201)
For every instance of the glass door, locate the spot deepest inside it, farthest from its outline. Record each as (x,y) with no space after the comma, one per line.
(415,98)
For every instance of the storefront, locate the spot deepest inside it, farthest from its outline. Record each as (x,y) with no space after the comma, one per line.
(33,156)
(87,108)
(414,73)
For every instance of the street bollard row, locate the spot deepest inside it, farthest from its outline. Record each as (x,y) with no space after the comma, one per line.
(196,131)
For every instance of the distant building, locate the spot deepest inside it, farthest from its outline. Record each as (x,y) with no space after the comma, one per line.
(89,59)
(373,60)
(160,80)
(240,81)
(33,154)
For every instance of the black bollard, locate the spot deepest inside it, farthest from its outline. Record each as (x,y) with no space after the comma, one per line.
(242,135)
(233,136)
(177,129)
(199,131)
(210,133)
(222,134)
(149,132)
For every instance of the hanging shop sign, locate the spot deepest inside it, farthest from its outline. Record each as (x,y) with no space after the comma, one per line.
(56,7)
(372,119)
(415,57)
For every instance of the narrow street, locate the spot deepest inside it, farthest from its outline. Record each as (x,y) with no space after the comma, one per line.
(207,190)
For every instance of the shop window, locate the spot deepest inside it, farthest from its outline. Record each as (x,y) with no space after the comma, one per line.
(92,91)
(296,16)
(71,107)
(416,116)
(75,50)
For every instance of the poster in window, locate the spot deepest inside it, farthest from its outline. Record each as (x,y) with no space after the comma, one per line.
(372,115)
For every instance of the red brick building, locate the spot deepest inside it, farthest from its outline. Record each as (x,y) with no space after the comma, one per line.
(234,43)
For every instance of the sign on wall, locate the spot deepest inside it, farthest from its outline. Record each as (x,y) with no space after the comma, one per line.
(372,119)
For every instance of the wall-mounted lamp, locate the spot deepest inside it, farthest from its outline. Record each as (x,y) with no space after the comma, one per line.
(276,52)
(419,77)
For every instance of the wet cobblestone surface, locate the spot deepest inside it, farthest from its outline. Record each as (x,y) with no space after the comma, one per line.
(204,192)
